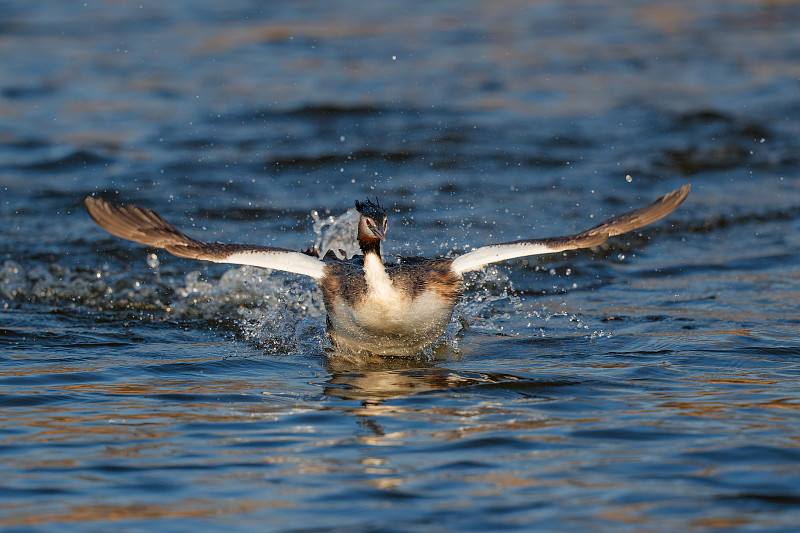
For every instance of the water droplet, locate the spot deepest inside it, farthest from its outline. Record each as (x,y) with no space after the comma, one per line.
(152,261)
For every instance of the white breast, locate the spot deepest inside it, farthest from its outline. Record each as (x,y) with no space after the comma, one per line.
(388,320)
(390,327)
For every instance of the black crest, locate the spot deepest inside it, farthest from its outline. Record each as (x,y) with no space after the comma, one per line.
(368,209)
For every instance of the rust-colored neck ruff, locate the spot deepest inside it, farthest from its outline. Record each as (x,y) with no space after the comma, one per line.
(370,246)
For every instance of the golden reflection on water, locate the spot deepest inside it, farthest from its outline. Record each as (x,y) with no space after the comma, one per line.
(373,385)
(372,392)
(189,508)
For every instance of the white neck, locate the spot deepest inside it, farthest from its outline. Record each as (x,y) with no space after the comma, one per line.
(378,283)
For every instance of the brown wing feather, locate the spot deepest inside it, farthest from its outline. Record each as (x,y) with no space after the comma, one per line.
(147,227)
(625,222)
(137,224)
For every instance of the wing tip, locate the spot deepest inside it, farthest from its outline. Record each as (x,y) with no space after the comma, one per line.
(680,194)
(93,206)
(670,201)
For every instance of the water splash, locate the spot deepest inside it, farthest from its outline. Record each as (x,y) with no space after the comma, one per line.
(339,235)
(276,312)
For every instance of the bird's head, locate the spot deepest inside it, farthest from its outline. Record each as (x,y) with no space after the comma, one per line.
(373,223)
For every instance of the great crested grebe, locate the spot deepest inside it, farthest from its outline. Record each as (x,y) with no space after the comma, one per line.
(371,307)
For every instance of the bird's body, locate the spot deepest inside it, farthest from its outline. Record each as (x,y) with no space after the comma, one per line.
(371,307)
(397,310)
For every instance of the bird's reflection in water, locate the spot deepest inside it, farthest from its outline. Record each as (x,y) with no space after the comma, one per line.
(380,383)
(374,379)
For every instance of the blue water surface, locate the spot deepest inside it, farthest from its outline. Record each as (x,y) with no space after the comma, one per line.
(647,385)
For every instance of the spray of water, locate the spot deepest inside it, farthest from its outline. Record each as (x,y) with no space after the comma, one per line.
(276,312)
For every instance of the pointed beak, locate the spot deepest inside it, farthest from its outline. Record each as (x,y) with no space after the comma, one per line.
(379,232)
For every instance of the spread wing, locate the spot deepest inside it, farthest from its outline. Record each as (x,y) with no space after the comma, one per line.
(591,237)
(148,227)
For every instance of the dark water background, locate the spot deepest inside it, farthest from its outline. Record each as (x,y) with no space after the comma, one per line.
(648,385)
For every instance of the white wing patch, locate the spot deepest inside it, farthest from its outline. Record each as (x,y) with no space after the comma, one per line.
(475,259)
(287,261)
